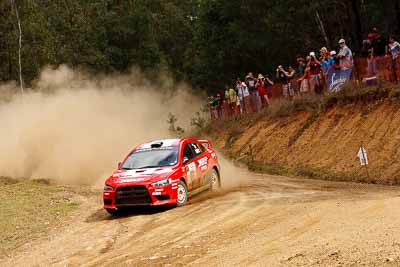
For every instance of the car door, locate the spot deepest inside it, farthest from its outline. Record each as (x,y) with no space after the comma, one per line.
(189,163)
(201,160)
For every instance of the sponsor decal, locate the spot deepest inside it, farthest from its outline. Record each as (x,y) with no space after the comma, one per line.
(147,172)
(203,161)
(191,167)
(132,180)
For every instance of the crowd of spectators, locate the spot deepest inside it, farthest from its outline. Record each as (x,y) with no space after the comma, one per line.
(308,76)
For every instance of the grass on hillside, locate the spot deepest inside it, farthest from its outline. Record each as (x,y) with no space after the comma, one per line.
(30,208)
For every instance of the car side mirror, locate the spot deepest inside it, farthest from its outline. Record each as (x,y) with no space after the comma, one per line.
(119,165)
(185,160)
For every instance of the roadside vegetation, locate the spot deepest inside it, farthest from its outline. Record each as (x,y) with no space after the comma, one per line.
(366,99)
(29,209)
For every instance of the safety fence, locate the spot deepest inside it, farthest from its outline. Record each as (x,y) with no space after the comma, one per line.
(366,71)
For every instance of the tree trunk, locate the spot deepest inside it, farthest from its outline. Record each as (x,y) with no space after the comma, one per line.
(322,28)
(21,83)
(355,4)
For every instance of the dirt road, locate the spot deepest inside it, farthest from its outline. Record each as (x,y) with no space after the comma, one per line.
(272,221)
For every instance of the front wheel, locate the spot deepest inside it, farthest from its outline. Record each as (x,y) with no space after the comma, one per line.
(113,212)
(182,194)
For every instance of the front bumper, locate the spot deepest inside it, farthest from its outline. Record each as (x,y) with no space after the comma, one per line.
(128,195)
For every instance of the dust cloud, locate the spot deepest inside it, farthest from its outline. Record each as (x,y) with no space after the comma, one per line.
(74,127)
(232,175)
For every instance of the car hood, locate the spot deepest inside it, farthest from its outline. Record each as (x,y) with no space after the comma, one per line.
(140,175)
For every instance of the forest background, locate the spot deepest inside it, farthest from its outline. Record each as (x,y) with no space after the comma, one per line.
(206,43)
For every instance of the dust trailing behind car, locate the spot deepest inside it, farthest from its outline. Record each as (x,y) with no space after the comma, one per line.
(74,127)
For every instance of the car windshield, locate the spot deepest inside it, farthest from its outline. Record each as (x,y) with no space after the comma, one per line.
(151,158)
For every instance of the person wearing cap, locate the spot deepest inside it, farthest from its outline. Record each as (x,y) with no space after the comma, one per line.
(243,96)
(262,90)
(335,61)
(251,85)
(315,81)
(345,55)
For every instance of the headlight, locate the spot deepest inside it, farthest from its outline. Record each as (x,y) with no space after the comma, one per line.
(162,183)
(108,188)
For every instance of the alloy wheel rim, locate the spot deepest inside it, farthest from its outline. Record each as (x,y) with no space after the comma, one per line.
(181,194)
(214,178)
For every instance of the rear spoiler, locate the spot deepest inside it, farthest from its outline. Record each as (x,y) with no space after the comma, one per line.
(206,143)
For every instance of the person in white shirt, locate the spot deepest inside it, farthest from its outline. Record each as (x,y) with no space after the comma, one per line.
(244,96)
(394,48)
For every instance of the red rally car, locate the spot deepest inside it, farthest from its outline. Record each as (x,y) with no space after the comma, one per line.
(163,172)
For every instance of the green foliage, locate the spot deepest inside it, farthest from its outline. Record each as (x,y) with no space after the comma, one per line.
(205,42)
(198,121)
(173,128)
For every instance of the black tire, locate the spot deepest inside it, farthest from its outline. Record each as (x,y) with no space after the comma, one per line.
(182,194)
(113,212)
(215,180)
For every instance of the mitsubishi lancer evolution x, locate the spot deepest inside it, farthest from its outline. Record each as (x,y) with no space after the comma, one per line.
(163,172)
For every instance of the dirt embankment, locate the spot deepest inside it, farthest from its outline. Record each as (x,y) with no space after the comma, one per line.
(319,144)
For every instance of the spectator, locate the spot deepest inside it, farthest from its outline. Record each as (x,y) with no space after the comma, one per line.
(262,91)
(334,62)
(282,76)
(394,48)
(255,98)
(232,101)
(345,55)
(323,53)
(315,81)
(325,60)
(212,105)
(367,51)
(219,105)
(244,97)
(290,74)
(227,102)
(240,93)
(268,83)
(305,80)
(301,65)
(378,43)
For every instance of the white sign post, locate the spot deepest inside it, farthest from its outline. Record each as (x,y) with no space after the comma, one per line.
(363,156)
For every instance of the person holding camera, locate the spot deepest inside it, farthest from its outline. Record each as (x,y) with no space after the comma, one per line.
(284,77)
(315,80)
(262,90)
(243,95)
(255,97)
